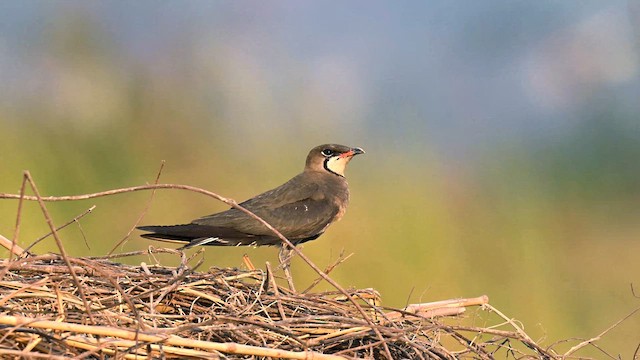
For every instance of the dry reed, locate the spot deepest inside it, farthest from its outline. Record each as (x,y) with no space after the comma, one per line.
(57,306)
(153,311)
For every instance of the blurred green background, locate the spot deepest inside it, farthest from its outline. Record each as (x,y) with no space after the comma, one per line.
(502,138)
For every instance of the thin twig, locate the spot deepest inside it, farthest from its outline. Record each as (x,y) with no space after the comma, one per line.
(144,211)
(63,252)
(74,220)
(150,250)
(16,232)
(599,336)
(118,191)
(341,258)
(633,292)
(274,286)
(510,321)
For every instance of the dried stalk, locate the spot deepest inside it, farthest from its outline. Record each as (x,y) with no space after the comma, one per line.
(227,201)
(180,313)
(172,340)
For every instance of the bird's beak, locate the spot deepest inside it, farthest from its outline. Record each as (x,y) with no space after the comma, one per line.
(352,152)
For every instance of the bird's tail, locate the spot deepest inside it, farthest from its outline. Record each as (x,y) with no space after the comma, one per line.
(180,233)
(195,234)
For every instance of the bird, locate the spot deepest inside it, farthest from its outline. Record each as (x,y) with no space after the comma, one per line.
(301,209)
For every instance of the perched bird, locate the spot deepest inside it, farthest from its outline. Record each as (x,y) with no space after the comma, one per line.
(301,209)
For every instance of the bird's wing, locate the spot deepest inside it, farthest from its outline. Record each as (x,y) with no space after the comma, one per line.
(299,188)
(303,219)
(296,209)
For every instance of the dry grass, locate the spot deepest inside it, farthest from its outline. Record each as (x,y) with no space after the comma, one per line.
(154,311)
(56,306)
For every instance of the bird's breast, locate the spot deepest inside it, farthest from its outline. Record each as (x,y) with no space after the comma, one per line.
(340,198)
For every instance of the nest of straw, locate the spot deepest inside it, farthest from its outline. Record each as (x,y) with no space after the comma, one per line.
(56,306)
(96,308)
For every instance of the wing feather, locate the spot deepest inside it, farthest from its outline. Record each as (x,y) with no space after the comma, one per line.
(297,209)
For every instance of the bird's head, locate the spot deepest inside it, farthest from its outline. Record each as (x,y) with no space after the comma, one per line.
(331,157)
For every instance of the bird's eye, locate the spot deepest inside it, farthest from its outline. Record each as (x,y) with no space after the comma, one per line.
(327,152)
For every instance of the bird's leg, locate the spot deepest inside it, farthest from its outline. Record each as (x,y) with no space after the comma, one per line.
(284,255)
